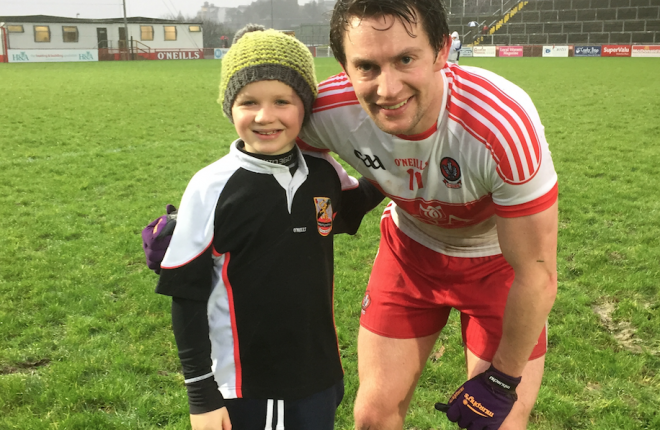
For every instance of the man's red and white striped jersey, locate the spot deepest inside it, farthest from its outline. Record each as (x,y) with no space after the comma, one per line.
(486,155)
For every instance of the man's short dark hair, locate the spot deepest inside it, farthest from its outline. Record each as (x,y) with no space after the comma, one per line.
(430,13)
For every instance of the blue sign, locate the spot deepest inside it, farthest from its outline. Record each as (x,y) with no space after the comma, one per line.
(218,53)
(466,52)
(587,51)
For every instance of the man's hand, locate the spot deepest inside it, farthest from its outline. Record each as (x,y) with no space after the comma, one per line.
(483,402)
(214,420)
(156,238)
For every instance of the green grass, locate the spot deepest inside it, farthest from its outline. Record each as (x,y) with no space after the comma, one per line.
(93,152)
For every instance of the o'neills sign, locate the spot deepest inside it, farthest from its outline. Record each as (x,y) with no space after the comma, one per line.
(178,55)
(615,51)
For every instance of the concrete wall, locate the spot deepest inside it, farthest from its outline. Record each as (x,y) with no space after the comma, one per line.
(572,22)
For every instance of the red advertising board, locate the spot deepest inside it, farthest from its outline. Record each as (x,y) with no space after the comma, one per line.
(645,51)
(511,51)
(616,51)
(177,55)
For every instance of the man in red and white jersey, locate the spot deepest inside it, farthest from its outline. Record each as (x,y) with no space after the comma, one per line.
(473,220)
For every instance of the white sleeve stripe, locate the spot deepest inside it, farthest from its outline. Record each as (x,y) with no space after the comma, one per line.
(198,378)
(501,139)
(517,115)
(511,142)
(332,92)
(334,80)
(176,266)
(514,117)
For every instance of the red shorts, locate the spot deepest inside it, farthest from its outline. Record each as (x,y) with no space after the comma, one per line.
(412,289)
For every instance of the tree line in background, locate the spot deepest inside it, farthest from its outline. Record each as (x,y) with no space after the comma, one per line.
(309,19)
(286,14)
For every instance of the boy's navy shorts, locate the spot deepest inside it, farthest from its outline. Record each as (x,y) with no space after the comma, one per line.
(316,412)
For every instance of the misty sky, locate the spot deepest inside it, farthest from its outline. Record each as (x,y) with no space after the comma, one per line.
(111,8)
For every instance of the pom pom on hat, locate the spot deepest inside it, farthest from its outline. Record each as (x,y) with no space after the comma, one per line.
(247,29)
(257,55)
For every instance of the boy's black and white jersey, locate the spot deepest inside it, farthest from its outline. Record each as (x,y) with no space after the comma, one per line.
(257,244)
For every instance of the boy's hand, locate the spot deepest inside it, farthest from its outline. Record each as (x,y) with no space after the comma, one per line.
(214,420)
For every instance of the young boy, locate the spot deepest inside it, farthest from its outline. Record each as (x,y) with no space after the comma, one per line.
(250,263)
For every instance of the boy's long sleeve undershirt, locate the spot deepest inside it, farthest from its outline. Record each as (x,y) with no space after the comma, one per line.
(191,330)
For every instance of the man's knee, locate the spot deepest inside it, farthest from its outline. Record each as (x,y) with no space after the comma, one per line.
(375,413)
(518,418)
(376,418)
(527,394)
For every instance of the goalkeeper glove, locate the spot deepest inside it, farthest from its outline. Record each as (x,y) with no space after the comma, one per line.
(483,402)
(156,238)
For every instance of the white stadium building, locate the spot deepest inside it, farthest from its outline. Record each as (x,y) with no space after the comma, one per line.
(43,38)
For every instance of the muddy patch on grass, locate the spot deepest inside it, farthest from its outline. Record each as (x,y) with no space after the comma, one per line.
(437,355)
(623,331)
(24,367)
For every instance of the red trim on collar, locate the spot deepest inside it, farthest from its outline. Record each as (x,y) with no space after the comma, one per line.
(420,136)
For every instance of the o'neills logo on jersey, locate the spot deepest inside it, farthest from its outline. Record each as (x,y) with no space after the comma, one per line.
(411,162)
(451,171)
(323,215)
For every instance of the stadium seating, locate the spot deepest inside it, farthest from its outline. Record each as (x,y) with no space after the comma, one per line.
(542,22)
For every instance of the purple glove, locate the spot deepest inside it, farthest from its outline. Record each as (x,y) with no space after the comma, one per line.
(156,238)
(483,402)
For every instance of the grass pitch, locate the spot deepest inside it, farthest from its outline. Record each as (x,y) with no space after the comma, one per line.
(92,152)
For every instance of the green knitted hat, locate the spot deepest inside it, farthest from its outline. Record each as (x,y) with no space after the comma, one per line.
(260,55)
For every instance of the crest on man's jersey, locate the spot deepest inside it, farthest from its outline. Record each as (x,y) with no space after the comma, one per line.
(323,215)
(451,171)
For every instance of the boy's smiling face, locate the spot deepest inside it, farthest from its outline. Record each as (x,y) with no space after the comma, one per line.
(268,116)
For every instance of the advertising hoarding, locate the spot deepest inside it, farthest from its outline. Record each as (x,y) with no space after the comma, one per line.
(179,55)
(587,51)
(51,55)
(466,52)
(616,51)
(511,51)
(645,51)
(555,51)
(218,53)
(483,51)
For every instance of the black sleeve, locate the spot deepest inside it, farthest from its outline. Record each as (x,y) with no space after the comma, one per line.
(191,331)
(191,281)
(355,204)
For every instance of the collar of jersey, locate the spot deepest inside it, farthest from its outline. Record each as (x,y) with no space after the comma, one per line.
(419,136)
(258,165)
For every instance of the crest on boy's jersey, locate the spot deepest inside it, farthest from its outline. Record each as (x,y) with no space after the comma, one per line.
(323,215)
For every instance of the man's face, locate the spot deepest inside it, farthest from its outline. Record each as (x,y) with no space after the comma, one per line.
(396,77)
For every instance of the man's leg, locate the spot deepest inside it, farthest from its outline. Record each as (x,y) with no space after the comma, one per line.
(527,391)
(388,369)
